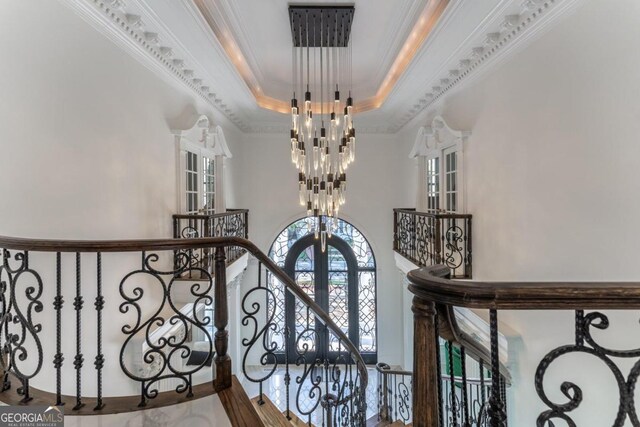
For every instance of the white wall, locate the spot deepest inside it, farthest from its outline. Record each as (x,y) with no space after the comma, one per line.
(553,170)
(87,153)
(269,190)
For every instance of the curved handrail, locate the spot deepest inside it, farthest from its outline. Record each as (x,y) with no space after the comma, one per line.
(433,213)
(433,284)
(51,245)
(384,368)
(229,212)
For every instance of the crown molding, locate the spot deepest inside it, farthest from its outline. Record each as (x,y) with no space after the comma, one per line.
(223,21)
(503,39)
(141,35)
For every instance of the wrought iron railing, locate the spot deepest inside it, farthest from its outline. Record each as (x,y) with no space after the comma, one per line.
(46,343)
(435,237)
(233,223)
(394,394)
(466,403)
(464,400)
(325,378)
(435,295)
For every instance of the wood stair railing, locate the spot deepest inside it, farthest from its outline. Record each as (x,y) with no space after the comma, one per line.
(434,295)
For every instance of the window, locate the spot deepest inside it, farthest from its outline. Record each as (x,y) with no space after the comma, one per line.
(440,153)
(191,181)
(443,168)
(200,157)
(209,175)
(451,179)
(433,183)
(198,182)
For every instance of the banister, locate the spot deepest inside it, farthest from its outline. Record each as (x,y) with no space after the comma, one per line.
(384,368)
(432,284)
(433,213)
(137,245)
(435,295)
(214,215)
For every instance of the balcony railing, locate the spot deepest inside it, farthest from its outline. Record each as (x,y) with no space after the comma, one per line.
(233,223)
(431,238)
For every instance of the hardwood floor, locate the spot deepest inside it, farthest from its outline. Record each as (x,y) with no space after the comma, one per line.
(239,408)
(112,405)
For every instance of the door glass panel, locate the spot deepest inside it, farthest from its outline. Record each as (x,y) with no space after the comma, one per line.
(338,291)
(305,321)
(333,286)
(367,310)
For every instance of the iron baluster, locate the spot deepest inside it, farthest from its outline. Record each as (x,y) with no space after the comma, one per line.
(483,396)
(57,305)
(497,415)
(99,304)
(465,394)
(579,327)
(454,410)
(287,376)
(79,358)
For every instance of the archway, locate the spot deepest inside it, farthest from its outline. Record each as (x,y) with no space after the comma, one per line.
(341,279)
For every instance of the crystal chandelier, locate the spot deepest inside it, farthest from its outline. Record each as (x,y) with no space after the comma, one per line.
(323,138)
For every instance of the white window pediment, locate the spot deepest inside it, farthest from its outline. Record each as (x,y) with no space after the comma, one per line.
(431,140)
(440,150)
(220,146)
(200,152)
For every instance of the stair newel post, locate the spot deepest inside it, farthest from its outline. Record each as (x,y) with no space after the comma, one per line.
(425,364)
(221,320)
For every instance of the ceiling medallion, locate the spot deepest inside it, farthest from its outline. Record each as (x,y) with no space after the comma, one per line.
(323,123)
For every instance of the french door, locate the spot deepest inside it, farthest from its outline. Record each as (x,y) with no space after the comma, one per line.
(330,278)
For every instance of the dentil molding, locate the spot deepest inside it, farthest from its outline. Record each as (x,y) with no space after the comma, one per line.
(157,51)
(504,38)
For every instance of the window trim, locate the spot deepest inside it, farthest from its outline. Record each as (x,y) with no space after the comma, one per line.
(436,141)
(185,146)
(204,140)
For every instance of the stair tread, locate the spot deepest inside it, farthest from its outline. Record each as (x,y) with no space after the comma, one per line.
(238,406)
(269,413)
(296,421)
(373,422)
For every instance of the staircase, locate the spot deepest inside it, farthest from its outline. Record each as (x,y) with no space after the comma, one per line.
(271,416)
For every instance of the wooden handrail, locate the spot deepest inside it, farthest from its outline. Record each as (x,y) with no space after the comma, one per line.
(435,295)
(104,246)
(432,284)
(433,213)
(229,212)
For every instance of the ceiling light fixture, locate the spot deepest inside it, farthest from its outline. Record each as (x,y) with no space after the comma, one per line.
(323,139)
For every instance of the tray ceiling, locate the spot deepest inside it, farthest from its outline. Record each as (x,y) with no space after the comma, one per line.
(257,36)
(236,54)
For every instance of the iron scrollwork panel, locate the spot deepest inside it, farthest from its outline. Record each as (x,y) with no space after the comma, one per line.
(587,345)
(20,300)
(164,356)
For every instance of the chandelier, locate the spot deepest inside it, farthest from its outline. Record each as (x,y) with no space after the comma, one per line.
(323,139)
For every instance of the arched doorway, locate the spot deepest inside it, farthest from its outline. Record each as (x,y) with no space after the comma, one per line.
(341,279)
